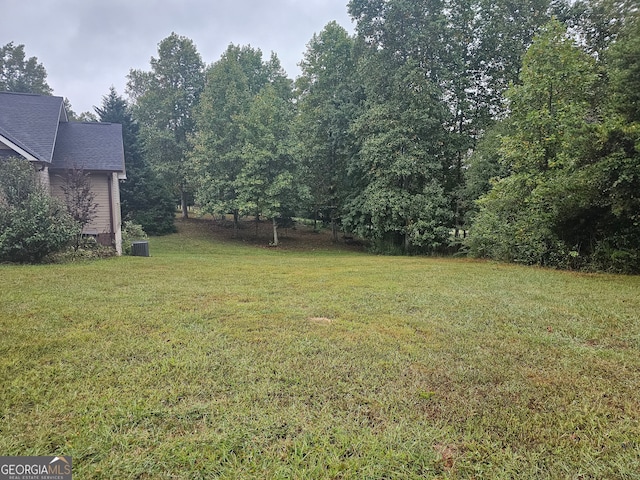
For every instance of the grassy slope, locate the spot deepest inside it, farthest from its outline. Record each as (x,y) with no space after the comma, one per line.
(213,358)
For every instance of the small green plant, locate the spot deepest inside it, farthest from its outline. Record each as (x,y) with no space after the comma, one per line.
(87,248)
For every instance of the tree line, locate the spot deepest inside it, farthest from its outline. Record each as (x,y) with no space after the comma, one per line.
(506,129)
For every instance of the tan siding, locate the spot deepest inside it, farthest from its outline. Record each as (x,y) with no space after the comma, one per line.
(100,188)
(44,178)
(117,214)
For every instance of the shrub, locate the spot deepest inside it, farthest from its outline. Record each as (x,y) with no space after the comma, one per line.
(130,233)
(32,224)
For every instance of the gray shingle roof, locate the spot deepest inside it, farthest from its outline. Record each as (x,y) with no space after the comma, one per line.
(90,146)
(38,125)
(31,122)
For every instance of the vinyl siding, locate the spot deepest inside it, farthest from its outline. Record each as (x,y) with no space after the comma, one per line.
(100,188)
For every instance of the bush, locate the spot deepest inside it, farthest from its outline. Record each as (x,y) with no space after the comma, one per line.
(157,220)
(130,233)
(149,204)
(618,254)
(32,223)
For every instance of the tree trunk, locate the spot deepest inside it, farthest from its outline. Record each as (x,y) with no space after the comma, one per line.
(275,232)
(183,204)
(236,223)
(334,229)
(407,239)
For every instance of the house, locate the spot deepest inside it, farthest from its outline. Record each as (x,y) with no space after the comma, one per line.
(36,128)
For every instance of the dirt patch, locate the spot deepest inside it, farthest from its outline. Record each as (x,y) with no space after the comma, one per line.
(448,454)
(321,320)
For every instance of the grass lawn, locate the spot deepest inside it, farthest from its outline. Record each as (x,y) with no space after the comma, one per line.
(216,358)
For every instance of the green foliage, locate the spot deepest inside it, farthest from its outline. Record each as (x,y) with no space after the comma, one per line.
(434,73)
(399,197)
(130,233)
(570,198)
(490,39)
(157,211)
(144,197)
(21,74)
(394,133)
(516,222)
(216,160)
(504,31)
(87,249)
(329,100)
(625,73)
(268,182)
(484,167)
(520,218)
(32,224)
(164,101)
(553,111)
(598,23)
(242,147)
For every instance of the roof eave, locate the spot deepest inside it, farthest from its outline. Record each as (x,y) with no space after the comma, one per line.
(19,150)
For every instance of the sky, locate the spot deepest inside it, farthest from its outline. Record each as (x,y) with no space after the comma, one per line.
(87,46)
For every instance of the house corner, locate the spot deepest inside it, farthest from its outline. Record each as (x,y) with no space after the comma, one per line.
(117,214)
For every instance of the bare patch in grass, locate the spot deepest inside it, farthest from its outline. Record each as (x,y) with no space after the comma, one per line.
(449,453)
(321,320)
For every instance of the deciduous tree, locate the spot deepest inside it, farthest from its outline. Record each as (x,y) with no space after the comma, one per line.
(21,74)
(79,199)
(328,101)
(269,182)
(569,199)
(216,159)
(164,100)
(400,201)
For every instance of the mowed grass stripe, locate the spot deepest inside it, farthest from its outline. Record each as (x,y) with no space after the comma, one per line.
(218,359)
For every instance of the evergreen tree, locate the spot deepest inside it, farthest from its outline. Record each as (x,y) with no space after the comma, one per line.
(143,197)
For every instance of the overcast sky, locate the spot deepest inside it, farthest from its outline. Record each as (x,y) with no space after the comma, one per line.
(87,46)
